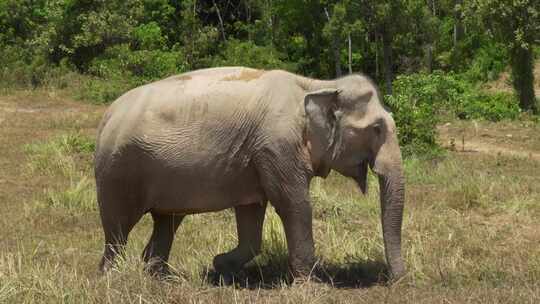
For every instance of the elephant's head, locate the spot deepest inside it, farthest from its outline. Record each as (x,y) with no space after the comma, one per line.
(349,131)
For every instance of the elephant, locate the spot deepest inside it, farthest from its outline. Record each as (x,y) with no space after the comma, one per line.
(237,137)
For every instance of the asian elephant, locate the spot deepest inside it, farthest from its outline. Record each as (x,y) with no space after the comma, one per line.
(237,137)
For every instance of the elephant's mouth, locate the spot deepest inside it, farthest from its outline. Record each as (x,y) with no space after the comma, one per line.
(361,177)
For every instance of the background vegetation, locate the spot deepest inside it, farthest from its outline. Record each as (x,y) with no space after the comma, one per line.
(458,76)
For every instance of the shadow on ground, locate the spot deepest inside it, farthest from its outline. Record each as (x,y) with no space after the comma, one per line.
(275,274)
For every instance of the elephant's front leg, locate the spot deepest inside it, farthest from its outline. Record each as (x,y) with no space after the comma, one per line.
(286,184)
(297,222)
(249,223)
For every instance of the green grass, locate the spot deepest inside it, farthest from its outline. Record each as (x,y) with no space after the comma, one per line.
(471,235)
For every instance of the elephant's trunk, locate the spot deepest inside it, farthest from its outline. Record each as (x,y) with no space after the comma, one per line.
(392,201)
(389,168)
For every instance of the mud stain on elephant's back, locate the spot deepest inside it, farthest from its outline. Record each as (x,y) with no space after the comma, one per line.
(182,77)
(244,75)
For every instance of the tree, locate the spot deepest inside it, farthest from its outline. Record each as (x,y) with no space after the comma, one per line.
(391,22)
(343,23)
(197,38)
(517,25)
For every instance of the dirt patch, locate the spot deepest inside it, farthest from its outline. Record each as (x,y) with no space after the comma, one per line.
(181,78)
(483,147)
(244,75)
(516,139)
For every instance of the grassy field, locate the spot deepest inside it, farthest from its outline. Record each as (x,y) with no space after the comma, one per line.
(471,227)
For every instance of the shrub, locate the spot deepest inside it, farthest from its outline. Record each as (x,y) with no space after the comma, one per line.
(488,62)
(144,65)
(17,69)
(416,122)
(421,100)
(148,36)
(493,107)
(102,91)
(240,53)
(120,69)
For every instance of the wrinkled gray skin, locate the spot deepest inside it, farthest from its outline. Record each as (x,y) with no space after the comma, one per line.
(236,137)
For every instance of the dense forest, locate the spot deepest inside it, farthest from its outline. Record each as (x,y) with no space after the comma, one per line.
(428,56)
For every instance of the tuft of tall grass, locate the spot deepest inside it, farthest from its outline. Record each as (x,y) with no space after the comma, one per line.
(66,156)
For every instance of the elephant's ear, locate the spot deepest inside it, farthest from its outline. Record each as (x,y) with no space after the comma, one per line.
(321,106)
(322,111)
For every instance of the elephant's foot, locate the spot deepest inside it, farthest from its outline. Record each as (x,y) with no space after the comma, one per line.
(228,263)
(159,269)
(105,265)
(227,266)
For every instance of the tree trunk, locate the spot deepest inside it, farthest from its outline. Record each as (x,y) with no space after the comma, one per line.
(458,24)
(248,17)
(429,58)
(521,62)
(222,28)
(350,53)
(377,72)
(336,58)
(335,49)
(387,61)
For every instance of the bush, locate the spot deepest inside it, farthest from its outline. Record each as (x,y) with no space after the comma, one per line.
(454,96)
(16,68)
(421,100)
(102,91)
(416,122)
(240,53)
(20,69)
(493,107)
(488,62)
(120,69)
(143,65)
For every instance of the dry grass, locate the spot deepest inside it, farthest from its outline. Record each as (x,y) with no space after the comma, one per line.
(471,230)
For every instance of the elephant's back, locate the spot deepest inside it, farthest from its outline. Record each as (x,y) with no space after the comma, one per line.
(183,120)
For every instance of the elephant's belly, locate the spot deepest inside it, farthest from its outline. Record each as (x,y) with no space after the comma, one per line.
(186,194)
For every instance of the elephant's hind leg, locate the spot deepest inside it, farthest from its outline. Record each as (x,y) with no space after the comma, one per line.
(156,252)
(116,234)
(119,211)
(249,223)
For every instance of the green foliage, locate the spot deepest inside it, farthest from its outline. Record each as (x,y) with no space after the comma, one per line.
(515,24)
(493,107)
(421,100)
(453,95)
(148,36)
(238,53)
(120,69)
(414,116)
(103,91)
(488,62)
(144,65)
